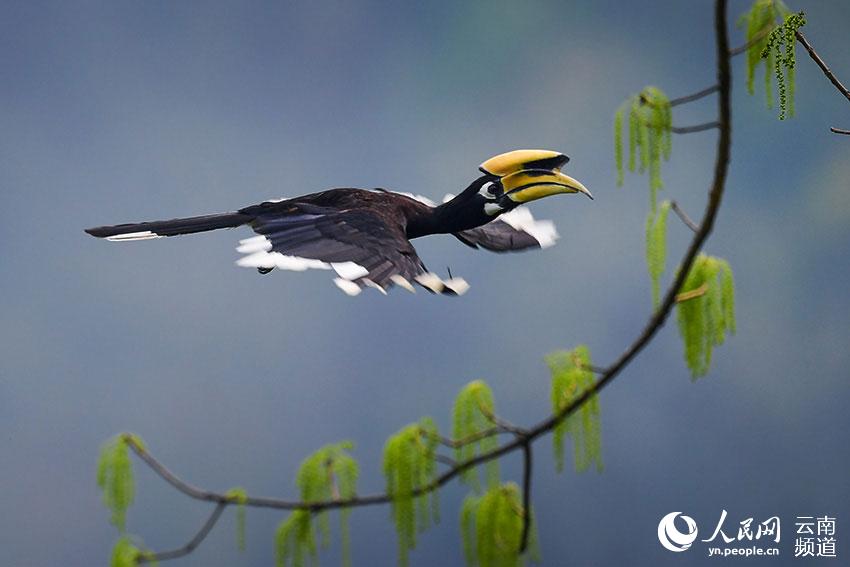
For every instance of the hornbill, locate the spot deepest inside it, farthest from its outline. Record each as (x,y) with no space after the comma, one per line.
(364,234)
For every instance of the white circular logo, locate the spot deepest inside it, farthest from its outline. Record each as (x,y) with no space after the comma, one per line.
(671,538)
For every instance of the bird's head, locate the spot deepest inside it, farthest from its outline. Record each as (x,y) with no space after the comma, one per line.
(520,176)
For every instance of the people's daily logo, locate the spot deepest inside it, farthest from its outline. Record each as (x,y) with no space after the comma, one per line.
(671,537)
(815,536)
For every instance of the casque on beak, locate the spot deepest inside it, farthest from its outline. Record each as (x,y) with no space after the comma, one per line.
(528,175)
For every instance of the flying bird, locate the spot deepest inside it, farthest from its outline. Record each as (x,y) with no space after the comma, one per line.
(364,235)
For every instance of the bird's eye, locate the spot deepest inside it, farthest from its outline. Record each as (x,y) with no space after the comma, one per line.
(489,190)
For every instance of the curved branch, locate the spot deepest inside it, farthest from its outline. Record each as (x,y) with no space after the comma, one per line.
(523,440)
(696,96)
(147,557)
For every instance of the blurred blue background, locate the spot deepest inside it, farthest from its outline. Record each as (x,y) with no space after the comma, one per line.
(117,112)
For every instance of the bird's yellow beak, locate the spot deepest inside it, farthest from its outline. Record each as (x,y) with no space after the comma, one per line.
(528,175)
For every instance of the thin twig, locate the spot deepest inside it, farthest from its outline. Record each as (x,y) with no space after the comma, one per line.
(715,87)
(526,497)
(446,460)
(820,63)
(146,557)
(756,38)
(693,294)
(696,96)
(683,216)
(695,128)
(471,438)
(501,423)
(655,322)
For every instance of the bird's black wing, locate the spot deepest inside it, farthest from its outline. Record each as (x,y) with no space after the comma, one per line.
(366,247)
(512,232)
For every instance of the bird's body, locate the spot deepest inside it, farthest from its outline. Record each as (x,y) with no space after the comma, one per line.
(364,235)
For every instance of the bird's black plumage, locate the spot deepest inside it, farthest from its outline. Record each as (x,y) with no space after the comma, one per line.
(364,235)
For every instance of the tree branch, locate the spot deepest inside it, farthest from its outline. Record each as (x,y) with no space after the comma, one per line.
(522,441)
(696,96)
(502,424)
(472,438)
(683,216)
(695,128)
(823,66)
(147,557)
(826,71)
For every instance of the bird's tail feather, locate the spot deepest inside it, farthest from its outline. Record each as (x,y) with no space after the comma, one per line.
(173,227)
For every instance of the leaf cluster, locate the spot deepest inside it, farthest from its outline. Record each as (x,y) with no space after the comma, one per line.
(656,247)
(115,479)
(705,310)
(330,473)
(491,525)
(760,22)
(571,375)
(240,496)
(117,484)
(650,126)
(409,466)
(780,48)
(471,417)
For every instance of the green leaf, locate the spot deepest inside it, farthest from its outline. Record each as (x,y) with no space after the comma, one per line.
(650,140)
(491,527)
(571,376)
(656,248)
(328,474)
(410,465)
(705,311)
(124,553)
(295,540)
(115,478)
(472,405)
(239,496)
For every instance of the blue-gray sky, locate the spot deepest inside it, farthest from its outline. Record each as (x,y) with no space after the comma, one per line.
(116,112)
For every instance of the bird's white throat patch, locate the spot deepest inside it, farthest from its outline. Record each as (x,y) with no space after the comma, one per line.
(543,231)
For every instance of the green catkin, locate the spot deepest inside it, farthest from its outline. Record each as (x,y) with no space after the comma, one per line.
(570,377)
(656,248)
(410,464)
(705,319)
(491,526)
(467,527)
(771,68)
(295,540)
(643,138)
(650,139)
(124,553)
(115,478)
(780,52)
(633,137)
(618,145)
(469,418)
(240,497)
(330,473)
(775,45)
